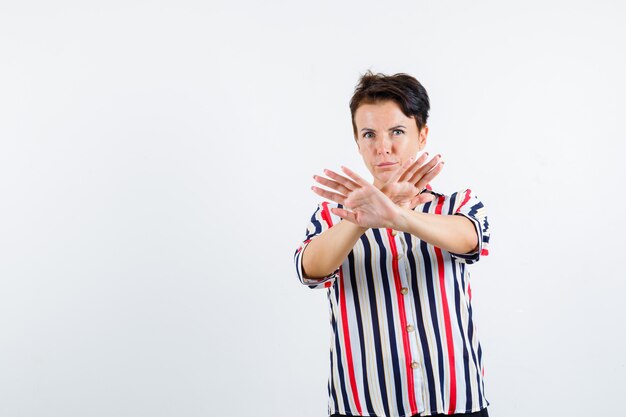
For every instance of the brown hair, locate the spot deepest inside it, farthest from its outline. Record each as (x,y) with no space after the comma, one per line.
(405,90)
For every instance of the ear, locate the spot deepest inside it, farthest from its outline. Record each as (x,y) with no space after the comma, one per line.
(423,135)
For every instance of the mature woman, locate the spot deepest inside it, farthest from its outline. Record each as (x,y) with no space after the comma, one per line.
(393,258)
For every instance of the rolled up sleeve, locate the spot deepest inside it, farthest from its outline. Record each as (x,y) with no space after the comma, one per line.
(467,204)
(321,220)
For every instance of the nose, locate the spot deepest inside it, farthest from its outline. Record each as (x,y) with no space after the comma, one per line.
(383,145)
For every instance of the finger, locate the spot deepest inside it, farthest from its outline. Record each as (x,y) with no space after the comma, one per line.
(344,214)
(414,167)
(401,171)
(428,177)
(421,199)
(425,168)
(329,195)
(332,184)
(346,182)
(356,177)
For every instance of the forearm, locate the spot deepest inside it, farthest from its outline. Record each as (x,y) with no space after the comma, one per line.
(324,254)
(455,234)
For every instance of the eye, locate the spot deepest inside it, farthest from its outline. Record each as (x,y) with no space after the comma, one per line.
(398,132)
(368,135)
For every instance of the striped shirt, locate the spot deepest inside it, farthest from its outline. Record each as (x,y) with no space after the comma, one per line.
(403,338)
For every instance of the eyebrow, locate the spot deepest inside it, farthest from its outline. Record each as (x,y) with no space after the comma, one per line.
(391,128)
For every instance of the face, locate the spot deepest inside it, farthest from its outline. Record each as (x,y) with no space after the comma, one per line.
(386,138)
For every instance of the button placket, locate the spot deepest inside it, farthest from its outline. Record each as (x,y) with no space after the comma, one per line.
(410,328)
(405,273)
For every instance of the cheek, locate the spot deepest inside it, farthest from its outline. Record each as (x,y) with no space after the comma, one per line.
(412,146)
(368,157)
(366,151)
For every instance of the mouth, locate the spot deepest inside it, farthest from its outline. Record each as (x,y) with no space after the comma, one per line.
(386,164)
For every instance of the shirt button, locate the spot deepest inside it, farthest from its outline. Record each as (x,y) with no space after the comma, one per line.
(415,365)
(410,328)
(394,233)
(399,256)
(404,291)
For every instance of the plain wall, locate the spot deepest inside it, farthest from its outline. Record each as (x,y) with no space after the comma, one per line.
(156,160)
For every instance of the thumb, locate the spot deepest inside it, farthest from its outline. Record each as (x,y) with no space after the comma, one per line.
(421,199)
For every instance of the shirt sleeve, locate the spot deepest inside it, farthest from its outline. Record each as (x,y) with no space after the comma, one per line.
(320,221)
(466,203)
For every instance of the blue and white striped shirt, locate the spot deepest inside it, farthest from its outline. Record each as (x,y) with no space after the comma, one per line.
(403,338)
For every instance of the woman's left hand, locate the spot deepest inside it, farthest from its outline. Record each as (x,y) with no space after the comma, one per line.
(405,186)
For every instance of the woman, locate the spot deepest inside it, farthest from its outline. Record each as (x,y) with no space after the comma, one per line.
(392,256)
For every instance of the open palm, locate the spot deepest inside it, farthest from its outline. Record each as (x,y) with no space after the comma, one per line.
(364,204)
(405,186)
(367,206)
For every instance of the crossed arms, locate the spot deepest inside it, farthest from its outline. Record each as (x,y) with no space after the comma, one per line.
(366,206)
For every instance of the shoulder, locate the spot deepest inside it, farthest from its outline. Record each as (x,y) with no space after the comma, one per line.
(457,201)
(467,202)
(324,213)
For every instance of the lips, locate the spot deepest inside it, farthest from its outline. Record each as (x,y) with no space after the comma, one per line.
(386,164)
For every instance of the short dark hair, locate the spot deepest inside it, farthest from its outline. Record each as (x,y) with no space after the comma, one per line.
(405,90)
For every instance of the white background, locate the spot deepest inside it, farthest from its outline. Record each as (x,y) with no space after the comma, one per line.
(155,173)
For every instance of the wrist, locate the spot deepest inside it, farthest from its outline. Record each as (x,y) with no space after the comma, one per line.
(359,230)
(399,220)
